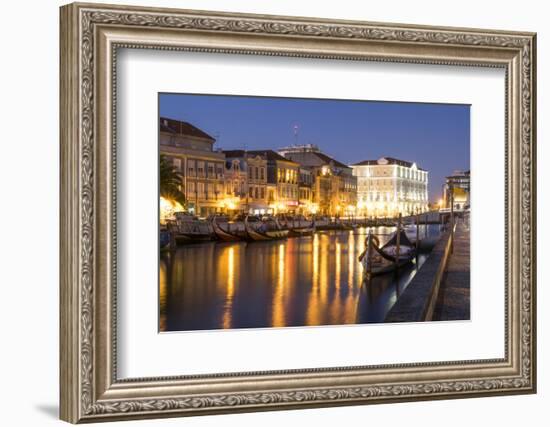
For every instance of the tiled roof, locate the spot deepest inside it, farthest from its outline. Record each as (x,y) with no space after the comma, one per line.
(270,155)
(182,128)
(328,159)
(241,153)
(233,153)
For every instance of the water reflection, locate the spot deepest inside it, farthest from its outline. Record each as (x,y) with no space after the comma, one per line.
(303,281)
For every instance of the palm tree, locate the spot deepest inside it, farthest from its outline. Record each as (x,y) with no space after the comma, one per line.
(170,181)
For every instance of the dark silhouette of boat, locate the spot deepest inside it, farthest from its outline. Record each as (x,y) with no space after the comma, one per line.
(189,229)
(300,230)
(378,260)
(164,240)
(228,235)
(266,230)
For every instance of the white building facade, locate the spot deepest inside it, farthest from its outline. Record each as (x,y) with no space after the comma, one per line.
(389,186)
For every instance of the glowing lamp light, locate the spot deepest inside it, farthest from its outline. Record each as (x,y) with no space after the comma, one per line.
(229,203)
(168,208)
(314,208)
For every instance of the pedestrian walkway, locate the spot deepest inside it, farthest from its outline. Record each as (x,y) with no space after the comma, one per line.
(453,301)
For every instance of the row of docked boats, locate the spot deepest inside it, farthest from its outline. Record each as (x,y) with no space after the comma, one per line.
(187,229)
(259,230)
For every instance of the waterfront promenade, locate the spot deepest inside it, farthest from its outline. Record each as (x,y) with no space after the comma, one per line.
(441,288)
(453,301)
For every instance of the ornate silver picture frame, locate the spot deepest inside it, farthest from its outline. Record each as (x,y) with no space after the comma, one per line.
(91,35)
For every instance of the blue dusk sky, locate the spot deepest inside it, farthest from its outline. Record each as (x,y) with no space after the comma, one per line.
(435,136)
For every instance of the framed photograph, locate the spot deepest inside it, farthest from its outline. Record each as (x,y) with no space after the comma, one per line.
(266,212)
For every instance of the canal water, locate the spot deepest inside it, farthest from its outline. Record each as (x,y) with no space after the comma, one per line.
(306,281)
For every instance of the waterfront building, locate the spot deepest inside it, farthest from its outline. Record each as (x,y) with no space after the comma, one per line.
(459,182)
(334,187)
(389,186)
(305,191)
(246,182)
(236,188)
(191,151)
(282,182)
(271,196)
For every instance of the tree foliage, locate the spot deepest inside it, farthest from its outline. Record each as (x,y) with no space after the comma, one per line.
(170,181)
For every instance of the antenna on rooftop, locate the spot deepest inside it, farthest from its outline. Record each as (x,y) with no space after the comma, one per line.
(296,130)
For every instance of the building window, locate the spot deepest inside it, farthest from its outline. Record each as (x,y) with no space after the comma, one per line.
(262,173)
(262,192)
(200,168)
(210,171)
(191,168)
(200,189)
(251,192)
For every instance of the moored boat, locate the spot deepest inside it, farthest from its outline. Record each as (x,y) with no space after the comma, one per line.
(228,235)
(300,230)
(346,225)
(378,260)
(191,229)
(164,240)
(265,231)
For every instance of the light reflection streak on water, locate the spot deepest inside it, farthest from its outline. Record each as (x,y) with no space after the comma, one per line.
(230,288)
(163,295)
(360,248)
(351,260)
(278,305)
(311,318)
(337,265)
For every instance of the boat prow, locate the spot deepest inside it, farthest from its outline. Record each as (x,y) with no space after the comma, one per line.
(263,235)
(302,231)
(222,234)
